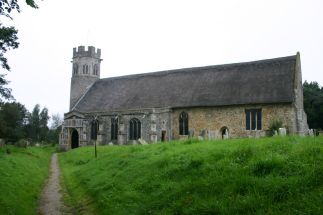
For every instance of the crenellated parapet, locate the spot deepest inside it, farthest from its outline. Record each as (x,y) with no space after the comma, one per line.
(90,52)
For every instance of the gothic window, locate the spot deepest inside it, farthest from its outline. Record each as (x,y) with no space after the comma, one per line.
(253,119)
(87,69)
(94,129)
(134,129)
(84,69)
(183,124)
(114,128)
(75,68)
(95,69)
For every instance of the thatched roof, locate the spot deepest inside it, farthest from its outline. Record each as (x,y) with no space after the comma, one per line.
(258,82)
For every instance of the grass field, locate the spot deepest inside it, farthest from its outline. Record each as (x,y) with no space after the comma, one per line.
(241,176)
(22,174)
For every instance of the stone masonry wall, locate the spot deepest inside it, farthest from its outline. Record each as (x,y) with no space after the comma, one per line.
(153,123)
(208,121)
(301,118)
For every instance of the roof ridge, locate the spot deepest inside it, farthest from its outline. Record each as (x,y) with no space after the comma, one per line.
(199,68)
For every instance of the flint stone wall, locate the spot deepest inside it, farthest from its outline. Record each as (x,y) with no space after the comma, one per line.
(208,122)
(152,124)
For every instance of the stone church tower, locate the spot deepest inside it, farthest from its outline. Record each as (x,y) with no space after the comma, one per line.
(86,70)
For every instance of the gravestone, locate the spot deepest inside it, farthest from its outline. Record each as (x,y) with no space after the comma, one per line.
(226,134)
(275,133)
(2,142)
(310,132)
(200,138)
(142,141)
(191,133)
(62,147)
(282,131)
(22,143)
(211,135)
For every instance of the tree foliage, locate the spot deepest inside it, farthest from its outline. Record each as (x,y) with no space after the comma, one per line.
(17,123)
(313,104)
(12,121)
(37,128)
(57,120)
(43,121)
(7,6)
(4,92)
(8,40)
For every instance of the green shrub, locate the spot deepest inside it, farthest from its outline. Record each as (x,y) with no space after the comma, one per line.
(274,126)
(22,143)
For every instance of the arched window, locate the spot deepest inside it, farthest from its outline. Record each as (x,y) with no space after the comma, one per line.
(84,69)
(114,128)
(95,69)
(94,129)
(183,124)
(75,68)
(134,129)
(87,69)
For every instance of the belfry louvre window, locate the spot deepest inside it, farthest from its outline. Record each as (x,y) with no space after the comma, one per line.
(95,69)
(114,128)
(134,129)
(253,119)
(83,69)
(76,68)
(183,124)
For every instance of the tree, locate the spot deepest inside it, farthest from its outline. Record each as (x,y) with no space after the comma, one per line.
(8,40)
(55,128)
(43,121)
(4,92)
(12,121)
(57,121)
(37,129)
(33,124)
(313,104)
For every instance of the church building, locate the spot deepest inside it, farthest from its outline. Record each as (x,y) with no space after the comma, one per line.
(212,102)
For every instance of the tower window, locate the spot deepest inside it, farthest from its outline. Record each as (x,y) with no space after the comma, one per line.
(87,69)
(134,129)
(94,69)
(75,68)
(84,69)
(114,128)
(253,119)
(183,124)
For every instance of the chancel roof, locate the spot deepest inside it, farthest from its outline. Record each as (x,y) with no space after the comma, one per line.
(257,82)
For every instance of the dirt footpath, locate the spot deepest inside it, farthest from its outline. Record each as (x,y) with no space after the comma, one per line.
(51,199)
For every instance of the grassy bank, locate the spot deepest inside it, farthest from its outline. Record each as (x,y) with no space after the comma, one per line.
(22,174)
(242,176)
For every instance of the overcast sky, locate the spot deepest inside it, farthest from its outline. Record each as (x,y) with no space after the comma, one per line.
(153,35)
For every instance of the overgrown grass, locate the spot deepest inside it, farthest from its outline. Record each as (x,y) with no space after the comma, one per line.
(242,176)
(22,174)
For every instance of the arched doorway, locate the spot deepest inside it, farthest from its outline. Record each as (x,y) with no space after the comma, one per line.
(75,139)
(224,132)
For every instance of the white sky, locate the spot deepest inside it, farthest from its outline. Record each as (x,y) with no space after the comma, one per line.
(152,35)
